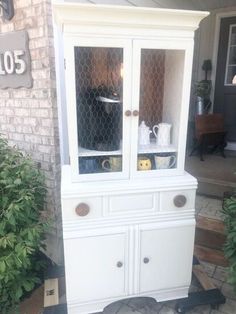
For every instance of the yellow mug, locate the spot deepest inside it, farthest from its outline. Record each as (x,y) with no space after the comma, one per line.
(144,163)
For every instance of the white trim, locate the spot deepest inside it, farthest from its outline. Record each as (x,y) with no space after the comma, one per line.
(95,306)
(231,146)
(228,52)
(124,16)
(71,227)
(219,16)
(61,98)
(72,190)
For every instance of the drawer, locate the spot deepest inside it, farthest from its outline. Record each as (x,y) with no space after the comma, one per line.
(132,203)
(81,208)
(177,200)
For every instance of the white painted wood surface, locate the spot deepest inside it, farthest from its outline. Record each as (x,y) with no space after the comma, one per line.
(100,266)
(206,40)
(135,217)
(159,272)
(80,31)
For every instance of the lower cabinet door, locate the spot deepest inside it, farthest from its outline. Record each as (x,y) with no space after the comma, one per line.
(165,257)
(96,266)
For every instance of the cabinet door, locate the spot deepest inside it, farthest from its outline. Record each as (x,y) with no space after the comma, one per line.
(96,266)
(165,257)
(161,87)
(98,85)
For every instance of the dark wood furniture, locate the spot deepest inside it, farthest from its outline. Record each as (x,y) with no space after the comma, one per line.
(209,133)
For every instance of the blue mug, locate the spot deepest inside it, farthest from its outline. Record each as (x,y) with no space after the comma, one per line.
(87,165)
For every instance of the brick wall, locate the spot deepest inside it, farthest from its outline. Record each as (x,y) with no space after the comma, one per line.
(28,117)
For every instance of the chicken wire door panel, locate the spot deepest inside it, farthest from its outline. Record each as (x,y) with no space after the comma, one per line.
(101,98)
(157,100)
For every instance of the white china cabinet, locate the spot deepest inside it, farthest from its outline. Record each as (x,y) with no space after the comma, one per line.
(127,203)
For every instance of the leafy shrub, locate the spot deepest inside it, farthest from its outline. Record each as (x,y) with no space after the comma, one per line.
(22,227)
(229,209)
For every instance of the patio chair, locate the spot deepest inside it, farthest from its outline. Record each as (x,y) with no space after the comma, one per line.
(209,133)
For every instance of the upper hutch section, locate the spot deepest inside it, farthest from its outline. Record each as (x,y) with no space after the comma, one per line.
(128,74)
(71,14)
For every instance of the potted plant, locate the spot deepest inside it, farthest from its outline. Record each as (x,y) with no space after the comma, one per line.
(229,210)
(22,226)
(203,90)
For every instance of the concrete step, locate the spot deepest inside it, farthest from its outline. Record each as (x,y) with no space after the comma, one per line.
(214,188)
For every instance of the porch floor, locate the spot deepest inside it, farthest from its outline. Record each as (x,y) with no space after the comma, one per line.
(215,174)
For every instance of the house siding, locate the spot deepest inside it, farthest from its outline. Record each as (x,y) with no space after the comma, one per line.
(28,116)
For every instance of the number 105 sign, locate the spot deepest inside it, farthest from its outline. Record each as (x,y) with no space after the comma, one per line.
(15,63)
(12,62)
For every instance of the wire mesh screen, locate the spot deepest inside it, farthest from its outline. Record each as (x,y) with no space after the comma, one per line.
(154,139)
(151,86)
(99,89)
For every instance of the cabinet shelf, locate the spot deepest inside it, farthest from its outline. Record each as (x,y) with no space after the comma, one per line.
(83,152)
(154,148)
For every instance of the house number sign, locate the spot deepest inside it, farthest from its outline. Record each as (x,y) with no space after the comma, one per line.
(11,62)
(15,63)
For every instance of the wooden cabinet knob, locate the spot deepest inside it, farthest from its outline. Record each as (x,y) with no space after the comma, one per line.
(119,264)
(135,113)
(180,200)
(128,113)
(82,209)
(146,260)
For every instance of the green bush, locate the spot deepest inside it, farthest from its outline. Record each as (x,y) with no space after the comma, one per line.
(22,227)
(229,210)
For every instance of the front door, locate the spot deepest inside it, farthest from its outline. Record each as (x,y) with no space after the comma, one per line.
(225,85)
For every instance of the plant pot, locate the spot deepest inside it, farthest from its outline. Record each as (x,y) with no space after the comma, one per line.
(200,105)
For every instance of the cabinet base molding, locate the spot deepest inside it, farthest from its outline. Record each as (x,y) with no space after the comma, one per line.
(99,305)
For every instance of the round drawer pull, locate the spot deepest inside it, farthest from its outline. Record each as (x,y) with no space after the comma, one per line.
(82,209)
(135,113)
(180,200)
(128,113)
(119,264)
(146,260)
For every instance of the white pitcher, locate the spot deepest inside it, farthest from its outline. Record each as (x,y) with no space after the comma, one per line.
(144,134)
(162,133)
